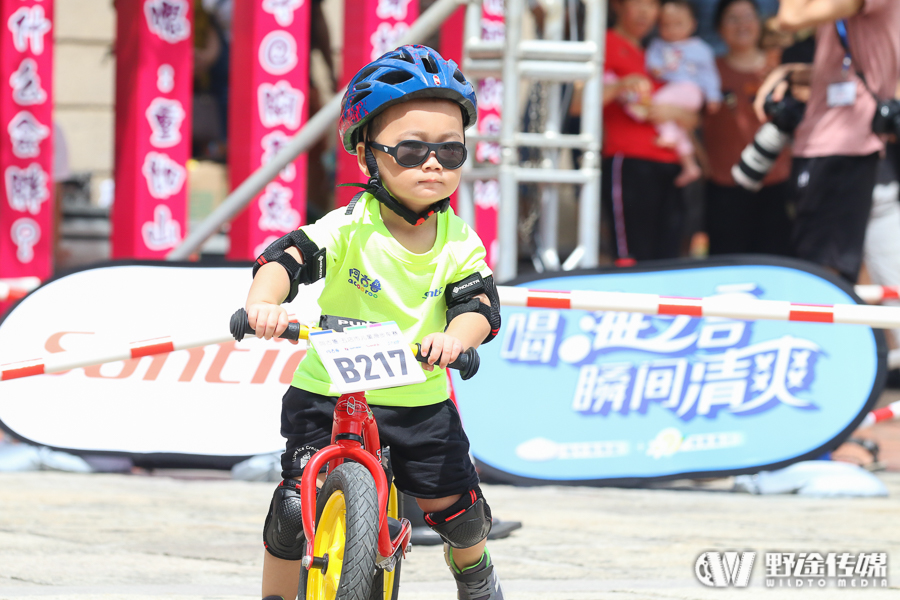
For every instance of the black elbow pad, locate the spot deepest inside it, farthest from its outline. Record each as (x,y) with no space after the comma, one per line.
(312,269)
(461,298)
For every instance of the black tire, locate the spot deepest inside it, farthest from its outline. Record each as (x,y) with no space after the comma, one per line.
(378,592)
(361,540)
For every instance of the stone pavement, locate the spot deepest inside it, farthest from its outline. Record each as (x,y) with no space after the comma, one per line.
(196,535)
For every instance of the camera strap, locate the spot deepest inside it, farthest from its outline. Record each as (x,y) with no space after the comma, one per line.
(841,27)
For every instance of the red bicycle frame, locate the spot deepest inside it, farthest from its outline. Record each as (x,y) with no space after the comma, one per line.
(354,436)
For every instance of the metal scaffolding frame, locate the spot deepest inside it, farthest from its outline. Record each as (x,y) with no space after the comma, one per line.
(557,61)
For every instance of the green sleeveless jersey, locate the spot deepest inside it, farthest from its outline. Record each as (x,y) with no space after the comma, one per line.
(371,276)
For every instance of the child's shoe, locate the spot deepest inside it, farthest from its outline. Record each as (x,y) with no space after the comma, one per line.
(478,582)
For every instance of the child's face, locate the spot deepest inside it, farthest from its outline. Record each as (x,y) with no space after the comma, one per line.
(676,23)
(427,120)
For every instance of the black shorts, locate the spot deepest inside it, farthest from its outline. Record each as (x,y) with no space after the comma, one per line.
(429,449)
(834,198)
(645,207)
(739,221)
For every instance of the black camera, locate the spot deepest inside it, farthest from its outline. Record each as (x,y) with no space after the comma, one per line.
(760,154)
(887,117)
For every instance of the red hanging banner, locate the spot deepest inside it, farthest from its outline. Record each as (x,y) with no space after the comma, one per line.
(452,33)
(371,28)
(154,72)
(267,105)
(490,106)
(451,42)
(26,149)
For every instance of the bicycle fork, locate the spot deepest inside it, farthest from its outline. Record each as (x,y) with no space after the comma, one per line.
(353,435)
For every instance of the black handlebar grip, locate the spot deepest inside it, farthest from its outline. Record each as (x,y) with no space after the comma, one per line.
(466,363)
(240,326)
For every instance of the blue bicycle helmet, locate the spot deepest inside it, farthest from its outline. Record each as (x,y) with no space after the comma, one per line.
(397,76)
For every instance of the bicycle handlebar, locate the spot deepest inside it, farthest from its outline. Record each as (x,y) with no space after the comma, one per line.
(240,326)
(466,363)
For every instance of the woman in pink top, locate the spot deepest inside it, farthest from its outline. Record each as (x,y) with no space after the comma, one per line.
(836,153)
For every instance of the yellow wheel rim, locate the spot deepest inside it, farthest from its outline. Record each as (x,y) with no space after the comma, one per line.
(393,512)
(331,536)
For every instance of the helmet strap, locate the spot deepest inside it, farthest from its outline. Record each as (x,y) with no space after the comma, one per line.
(375,187)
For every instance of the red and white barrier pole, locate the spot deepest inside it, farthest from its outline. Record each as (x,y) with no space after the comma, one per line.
(887,413)
(19,287)
(64,361)
(886,317)
(59,363)
(876,294)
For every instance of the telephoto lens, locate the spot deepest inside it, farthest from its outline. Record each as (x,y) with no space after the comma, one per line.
(760,154)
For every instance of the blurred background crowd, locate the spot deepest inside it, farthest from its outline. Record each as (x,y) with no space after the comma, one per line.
(688,168)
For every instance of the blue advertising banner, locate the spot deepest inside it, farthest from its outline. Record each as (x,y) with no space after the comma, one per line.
(569,396)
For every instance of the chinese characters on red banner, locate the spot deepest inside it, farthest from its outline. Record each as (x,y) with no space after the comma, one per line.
(26,150)
(490,103)
(154,72)
(375,29)
(267,106)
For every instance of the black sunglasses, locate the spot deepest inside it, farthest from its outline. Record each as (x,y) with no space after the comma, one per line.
(412,153)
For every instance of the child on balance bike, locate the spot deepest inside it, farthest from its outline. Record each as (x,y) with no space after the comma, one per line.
(398,253)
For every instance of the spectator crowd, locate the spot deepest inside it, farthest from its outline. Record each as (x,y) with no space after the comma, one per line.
(688,166)
(681,123)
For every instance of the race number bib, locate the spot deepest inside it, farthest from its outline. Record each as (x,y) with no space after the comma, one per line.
(367,357)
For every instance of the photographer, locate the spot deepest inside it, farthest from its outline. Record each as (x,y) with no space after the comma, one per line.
(837,144)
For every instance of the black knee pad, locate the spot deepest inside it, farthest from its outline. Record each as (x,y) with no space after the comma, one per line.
(465,523)
(283,532)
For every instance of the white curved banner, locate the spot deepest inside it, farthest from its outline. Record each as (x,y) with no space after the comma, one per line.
(209,406)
